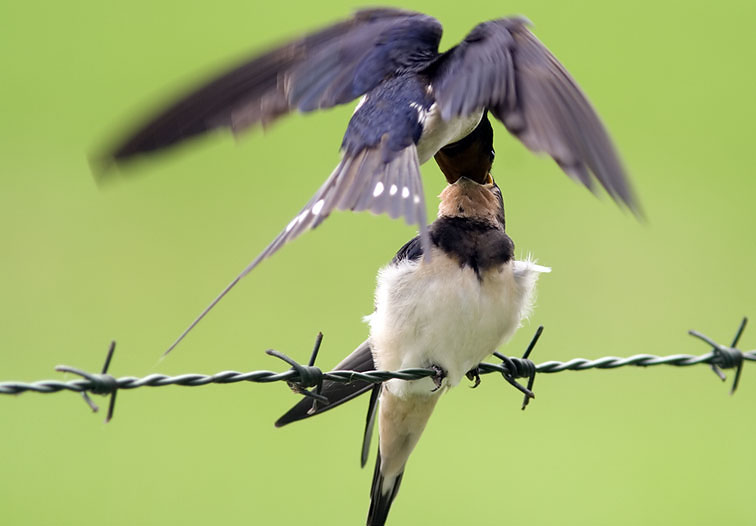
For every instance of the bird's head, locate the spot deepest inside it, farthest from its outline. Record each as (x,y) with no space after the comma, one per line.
(475,201)
(470,157)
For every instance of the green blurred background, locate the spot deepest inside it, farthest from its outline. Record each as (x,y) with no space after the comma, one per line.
(136,260)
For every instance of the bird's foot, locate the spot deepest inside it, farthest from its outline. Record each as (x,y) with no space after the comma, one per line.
(474,376)
(438,378)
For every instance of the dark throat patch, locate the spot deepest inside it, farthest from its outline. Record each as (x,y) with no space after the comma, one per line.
(475,244)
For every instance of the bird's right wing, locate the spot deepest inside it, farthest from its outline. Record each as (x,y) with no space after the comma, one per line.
(502,66)
(332,66)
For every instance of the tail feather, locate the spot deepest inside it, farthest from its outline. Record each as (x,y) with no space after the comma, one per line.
(369,424)
(382,494)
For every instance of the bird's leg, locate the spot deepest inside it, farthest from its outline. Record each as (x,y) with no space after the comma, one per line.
(437,378)
(474,376)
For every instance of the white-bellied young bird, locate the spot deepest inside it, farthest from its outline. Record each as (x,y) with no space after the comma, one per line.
(415,101)
(448,313)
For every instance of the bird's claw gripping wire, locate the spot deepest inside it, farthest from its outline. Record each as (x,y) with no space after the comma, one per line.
(474,376)
(308,376)
(726,357)
(513,368)
(102,384)
(438,377)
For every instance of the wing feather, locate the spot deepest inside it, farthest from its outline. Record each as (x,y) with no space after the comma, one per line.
(328,67)
(349,187)
(501,66)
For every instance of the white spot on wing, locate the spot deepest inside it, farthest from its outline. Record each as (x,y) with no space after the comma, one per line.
(318,207)
(429,89)
(378,189)
(292,223)
(360,104)
(416,199)
(405,192)
(393,190)
(422,115)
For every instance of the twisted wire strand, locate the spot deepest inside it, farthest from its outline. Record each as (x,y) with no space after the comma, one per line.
(230,377)
(638,360)
(301,377)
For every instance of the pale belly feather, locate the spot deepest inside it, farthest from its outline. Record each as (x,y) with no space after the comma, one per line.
(444,315)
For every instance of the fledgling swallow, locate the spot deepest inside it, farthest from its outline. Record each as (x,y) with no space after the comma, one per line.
(415,101)
(448,312)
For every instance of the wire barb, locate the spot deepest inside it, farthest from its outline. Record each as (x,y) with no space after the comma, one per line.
(307,376)
(726,357)
(513,368)
(101,384)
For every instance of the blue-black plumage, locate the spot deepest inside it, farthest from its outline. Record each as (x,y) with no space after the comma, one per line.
(393,110)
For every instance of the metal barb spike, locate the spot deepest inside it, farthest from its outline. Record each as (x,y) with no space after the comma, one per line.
(308,376)
(521,368)
(103,383)
(526,356)
(727,357)
(318,388)
(735,341)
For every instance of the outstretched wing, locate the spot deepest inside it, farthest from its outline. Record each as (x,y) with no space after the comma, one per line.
(365,181)
(329,67)
(502,66)
(371,179)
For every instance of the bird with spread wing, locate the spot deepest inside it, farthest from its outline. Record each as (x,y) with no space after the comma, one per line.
(416,103)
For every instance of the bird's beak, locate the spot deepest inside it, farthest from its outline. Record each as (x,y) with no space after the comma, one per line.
(462,181)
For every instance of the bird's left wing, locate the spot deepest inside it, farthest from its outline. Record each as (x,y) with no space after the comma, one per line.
(328,67)
(503,67)
(361,360)
(364,181)
(412,250)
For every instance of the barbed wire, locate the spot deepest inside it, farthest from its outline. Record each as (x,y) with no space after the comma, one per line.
(303,377)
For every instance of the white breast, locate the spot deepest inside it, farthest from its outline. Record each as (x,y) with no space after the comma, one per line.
(440,313)
(437,132)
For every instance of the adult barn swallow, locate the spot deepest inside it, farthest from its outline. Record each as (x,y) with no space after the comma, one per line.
(415,101)
(447,312)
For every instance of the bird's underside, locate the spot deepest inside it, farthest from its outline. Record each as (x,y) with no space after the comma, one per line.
(417,103)
(445,314)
